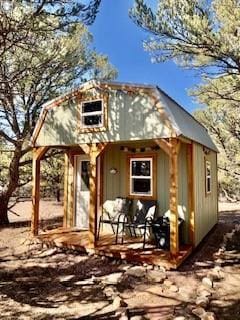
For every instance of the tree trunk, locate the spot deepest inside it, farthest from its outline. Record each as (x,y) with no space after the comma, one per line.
(13,178)
(4,210)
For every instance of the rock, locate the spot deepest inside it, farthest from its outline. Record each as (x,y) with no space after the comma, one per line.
(199,311)
(216,273)
(65,278)
(180,318)
(137,272)
(204,293)
(207,282)
(208,316)
(173,288)
(137,318)
(156,276)
(125,266)
(202,302)
(167,283)
(119,302)
(113,278)
(110,291)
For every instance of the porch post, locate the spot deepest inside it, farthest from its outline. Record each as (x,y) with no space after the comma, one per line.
(94,151)
(173,196)
(38,153)
(191,193)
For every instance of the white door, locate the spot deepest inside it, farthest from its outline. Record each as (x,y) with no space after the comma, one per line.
(82,192)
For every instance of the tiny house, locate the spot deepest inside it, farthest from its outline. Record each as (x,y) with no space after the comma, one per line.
(109,131)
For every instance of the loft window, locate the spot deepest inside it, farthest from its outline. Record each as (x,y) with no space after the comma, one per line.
(92,114)
(208,176)
(141,178)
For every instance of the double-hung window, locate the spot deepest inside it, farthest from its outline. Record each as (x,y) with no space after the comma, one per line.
(92,114)
(141,176)
(208,176)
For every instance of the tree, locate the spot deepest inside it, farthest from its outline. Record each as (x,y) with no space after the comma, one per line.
(45,49)
(203,36)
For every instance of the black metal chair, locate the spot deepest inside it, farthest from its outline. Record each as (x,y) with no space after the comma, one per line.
(115,217)
(141,220)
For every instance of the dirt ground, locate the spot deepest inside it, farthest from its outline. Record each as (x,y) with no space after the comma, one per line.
(42,283)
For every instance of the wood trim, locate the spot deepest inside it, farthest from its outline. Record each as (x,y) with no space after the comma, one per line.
(164,145)
(88,98)
(40,152)
(35,193)
(173,197)
(206,159)
(190,193)
(71,186)
(154,175)
(65,199)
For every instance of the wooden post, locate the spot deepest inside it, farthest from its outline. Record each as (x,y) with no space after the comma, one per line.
(95,151)
(38,153)
(173,196)
(190,194)
(65,200)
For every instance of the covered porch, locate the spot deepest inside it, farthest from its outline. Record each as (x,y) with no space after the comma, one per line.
(101,163)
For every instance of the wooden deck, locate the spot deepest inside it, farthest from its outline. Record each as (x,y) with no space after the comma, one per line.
(131,251)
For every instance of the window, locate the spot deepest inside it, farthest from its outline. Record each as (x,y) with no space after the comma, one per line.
(92,114)
(208,176)
(141,177)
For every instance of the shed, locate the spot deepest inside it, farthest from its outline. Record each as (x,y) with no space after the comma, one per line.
(110,132)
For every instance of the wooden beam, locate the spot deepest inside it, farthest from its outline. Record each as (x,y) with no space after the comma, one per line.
(65,196)
(40,152)
(35,193)
(164,145)
(173,197)
(95,151)
(85,148)
(191,194)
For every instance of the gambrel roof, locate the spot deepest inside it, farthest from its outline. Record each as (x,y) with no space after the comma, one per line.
(173,121)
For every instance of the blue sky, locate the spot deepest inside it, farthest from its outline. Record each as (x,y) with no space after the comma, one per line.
(118,37)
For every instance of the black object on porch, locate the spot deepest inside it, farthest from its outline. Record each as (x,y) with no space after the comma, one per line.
(161,231)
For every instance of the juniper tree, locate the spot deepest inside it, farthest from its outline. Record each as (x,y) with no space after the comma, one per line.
(205,36)
(45,49)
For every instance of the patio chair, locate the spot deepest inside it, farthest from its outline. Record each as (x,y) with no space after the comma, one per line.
(115,214)
(142,219)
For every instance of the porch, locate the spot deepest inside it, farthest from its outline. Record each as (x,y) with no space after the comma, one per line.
(131,250)
(108,177)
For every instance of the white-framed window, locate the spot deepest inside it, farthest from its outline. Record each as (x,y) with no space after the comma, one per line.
(208,176)
(141,176)
(92,114)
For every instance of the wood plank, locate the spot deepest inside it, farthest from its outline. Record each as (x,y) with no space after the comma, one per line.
(65,196)
(164,145)
(35,193)
(173,197)
(191,194)
(131,250)
(95,151)
(71,213)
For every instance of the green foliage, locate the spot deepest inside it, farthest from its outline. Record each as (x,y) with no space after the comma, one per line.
(45,49)
(204,36)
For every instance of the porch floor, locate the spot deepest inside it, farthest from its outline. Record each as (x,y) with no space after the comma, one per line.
(131,250)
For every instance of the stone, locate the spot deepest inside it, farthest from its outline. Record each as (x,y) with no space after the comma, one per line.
(207,282)
(137,272)
(173,288)
(113,278)
(167,283)
(119,302)
(204,293)
(180,318)
(125,266)
(137,318)
(110,291)
(66,278)
(156,276)
(199,311)
(208,316)
(202,302)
